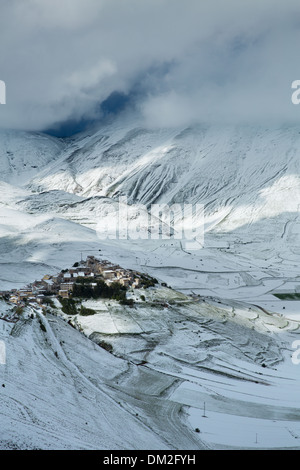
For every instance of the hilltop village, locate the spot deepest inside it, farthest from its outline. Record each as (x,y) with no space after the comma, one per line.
(88,273)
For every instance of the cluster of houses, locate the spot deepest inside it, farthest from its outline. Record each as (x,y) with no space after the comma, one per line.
(62,284)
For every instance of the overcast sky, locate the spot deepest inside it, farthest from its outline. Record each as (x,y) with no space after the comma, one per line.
(179,61)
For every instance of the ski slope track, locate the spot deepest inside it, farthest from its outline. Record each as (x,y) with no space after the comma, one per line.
(213,353)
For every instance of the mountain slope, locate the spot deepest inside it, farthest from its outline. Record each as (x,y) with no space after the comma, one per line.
(209,165)
(23,154)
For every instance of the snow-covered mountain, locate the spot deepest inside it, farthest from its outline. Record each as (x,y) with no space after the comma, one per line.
(218,167)
(245,177)
(57,194)
(23,154)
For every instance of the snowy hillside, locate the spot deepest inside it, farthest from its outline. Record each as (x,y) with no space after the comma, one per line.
(23,154)
(61,390)
(246,178)
(218,167)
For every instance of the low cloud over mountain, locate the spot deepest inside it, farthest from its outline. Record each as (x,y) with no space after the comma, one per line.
(177,62)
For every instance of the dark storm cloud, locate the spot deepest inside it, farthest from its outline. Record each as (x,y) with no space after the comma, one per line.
(182,61)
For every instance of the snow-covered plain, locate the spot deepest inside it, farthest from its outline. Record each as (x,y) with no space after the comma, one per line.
(219,337)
